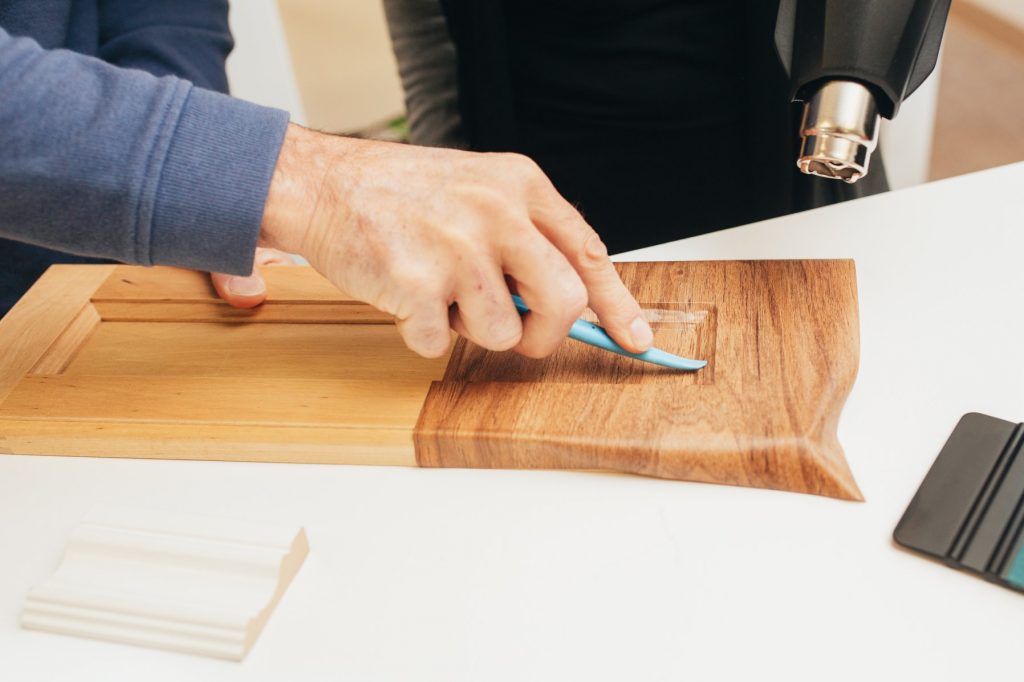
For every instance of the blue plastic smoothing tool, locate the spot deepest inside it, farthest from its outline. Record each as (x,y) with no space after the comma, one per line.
(591,334)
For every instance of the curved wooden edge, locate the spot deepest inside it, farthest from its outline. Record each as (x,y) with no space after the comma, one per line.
(32,326)
(806,464)
(822,443)
(835,472)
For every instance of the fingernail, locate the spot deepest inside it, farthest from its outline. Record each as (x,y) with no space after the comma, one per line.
(246,286)
(641,332)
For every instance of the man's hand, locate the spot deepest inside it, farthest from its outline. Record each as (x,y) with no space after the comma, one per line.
(436,237)
(248,292)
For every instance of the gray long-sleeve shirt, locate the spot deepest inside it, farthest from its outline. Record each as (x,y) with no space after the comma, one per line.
(427,64)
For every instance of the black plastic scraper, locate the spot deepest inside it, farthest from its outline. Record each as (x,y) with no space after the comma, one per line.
(969,510)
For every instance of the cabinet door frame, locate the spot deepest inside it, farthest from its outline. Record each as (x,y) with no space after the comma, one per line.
(42,334)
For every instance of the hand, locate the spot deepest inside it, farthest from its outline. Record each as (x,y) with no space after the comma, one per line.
(248,292)
(436,237)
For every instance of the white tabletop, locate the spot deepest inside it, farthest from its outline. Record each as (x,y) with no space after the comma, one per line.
(495,575)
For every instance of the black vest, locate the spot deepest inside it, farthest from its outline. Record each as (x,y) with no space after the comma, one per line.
(659,119)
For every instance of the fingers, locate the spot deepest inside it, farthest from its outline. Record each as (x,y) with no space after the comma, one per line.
(426,330)
(485,313)
(608,297)
(551,288)
(482,311)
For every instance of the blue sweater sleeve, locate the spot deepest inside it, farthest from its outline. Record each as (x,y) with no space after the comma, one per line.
(185,38)
(116,163)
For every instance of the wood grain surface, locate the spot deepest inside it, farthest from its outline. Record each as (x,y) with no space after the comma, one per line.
(41,317)
(125,361)
(296,294)
(148,362)
(782,342)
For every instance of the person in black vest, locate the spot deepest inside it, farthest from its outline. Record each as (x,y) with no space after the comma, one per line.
(658,119)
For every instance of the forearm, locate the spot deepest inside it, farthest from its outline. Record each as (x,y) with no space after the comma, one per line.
(302,166)
(115,163)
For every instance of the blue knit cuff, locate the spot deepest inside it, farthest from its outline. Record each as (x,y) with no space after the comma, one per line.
(214,183)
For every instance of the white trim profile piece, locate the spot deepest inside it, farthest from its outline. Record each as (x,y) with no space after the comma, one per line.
(167,580)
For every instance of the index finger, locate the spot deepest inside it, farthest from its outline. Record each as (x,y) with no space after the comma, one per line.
(582,246)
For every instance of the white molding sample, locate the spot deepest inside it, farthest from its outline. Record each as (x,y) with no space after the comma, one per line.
(167,580)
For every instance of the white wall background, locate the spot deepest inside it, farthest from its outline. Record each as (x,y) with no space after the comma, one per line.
(343,61)
(906,141)
(1010,10)
(260,67)
(328,62)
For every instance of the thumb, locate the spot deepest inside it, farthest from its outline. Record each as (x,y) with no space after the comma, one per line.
(240,292)
(249,292)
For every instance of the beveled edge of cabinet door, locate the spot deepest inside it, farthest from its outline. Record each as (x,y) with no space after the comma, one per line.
(40,318)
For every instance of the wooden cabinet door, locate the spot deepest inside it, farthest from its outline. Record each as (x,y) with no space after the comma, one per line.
(129,361)
(148,362)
